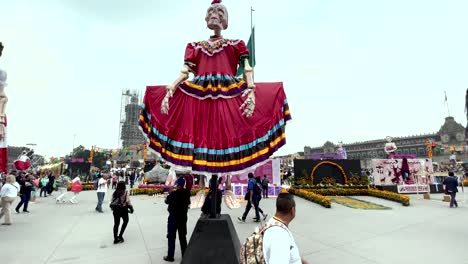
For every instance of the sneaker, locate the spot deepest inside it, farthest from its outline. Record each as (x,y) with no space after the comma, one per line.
(121,240)
(17,211)
(265,217)
(25,211)
(116,241)
(241,220)
(256,220)
(168,259)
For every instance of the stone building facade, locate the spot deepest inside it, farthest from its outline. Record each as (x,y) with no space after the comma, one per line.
(450,133)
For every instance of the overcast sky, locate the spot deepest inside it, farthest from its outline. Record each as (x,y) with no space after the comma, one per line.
(352,70)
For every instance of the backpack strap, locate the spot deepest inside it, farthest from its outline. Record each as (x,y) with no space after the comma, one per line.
(265,227)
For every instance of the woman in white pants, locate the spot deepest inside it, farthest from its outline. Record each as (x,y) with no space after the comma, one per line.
(8,194)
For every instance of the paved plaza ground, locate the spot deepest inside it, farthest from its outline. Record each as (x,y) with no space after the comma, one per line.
(426,232)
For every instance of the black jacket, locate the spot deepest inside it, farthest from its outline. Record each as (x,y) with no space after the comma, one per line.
(179,202)
(451,184)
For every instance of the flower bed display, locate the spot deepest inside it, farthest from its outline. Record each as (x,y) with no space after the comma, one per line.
(396,197)
(86,187)
(147,191)
(318,195)
(155,186)
(313,197)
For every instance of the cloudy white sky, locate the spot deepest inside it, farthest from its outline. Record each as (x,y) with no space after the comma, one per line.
(352,70)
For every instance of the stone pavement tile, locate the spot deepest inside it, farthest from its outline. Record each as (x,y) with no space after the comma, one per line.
(308,244)
(125,256)
(337,256)
(428,243)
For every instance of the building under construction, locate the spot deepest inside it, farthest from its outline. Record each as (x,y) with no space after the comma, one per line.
(129,133)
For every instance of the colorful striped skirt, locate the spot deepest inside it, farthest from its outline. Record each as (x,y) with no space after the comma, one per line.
(212,135)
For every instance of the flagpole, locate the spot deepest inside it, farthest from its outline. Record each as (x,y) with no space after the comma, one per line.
(446,103)
(253,40)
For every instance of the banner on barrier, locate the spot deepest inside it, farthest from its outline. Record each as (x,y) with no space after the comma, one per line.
(414,188)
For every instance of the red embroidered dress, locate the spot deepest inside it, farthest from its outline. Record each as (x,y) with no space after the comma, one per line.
(205,130)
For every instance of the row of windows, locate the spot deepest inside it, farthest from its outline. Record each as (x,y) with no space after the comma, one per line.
(380,154)
(406,142)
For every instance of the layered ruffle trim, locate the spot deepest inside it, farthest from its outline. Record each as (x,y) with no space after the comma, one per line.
(183,155)
(214,86)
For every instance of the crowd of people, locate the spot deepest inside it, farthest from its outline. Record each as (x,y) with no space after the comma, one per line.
(29,185)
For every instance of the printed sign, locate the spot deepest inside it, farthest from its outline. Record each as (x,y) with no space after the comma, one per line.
(414,188)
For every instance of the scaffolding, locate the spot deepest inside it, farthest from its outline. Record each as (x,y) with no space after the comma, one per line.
(129,133)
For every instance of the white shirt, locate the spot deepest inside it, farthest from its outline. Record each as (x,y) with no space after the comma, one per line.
(10,190)
(102,185)
(279,246)
(76,179)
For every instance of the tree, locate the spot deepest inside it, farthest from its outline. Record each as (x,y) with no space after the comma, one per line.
(99,159)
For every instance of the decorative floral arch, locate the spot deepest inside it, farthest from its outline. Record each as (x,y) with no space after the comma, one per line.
(343,173)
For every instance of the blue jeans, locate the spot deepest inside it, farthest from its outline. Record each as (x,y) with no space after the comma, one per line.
(255,202)
(100,196)
(25,197)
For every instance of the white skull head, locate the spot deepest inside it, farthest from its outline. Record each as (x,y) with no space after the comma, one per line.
(217,16)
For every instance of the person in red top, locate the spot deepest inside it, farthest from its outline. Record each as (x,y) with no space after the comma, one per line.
(405,170)
(215,122)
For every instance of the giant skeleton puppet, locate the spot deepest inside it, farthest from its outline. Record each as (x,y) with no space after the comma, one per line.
(390,147)
(216,122)
(3,120)
(466,112)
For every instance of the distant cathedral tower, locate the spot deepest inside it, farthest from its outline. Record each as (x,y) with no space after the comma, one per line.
(130,134)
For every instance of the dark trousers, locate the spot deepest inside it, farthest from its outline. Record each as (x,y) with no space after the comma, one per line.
(265,191)
(258,206)
(452,199)
(44,189)
(100,196)
(255,201)
(176,224)
(120,213)
(24,201)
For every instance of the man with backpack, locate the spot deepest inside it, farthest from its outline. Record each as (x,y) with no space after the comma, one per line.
(274,243)
(265,183)
(252,197)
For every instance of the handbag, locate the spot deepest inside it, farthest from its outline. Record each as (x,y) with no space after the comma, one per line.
(247,196)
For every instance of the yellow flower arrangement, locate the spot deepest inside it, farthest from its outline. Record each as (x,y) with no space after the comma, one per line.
(147,191)
(320,195)
(313,197)
(343,173)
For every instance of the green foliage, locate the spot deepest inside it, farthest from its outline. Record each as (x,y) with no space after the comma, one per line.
(356,179)
(99,159)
